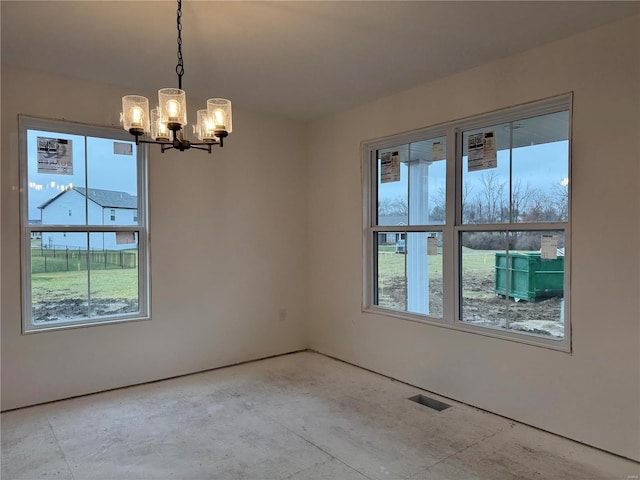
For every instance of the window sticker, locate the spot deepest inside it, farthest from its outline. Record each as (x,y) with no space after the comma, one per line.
(390,167)
(121,148)
(482,151)
(438,151)
(55,156)
(123,238)
(432,246)
(489,150)
(549,247)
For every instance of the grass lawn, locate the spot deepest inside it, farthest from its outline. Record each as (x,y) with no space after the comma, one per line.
(473,261)
(478,267)
(478,262)
(105,284)
(478,274)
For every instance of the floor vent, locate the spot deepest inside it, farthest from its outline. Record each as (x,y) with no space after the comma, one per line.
(429,402)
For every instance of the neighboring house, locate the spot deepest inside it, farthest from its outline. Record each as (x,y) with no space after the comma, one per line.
(392,220)
(105,207)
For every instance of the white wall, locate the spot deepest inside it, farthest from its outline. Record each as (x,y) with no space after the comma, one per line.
(591,395)
(228,242)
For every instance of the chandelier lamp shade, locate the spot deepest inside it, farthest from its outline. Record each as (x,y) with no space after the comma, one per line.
(165,124)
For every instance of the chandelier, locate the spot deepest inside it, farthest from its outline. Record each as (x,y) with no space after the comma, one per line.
(166,123)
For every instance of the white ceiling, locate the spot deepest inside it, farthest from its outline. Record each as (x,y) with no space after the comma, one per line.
(298,59)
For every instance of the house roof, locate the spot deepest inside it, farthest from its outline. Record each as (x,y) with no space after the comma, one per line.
(104,198)
(393,220)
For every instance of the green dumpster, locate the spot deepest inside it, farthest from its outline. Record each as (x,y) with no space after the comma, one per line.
(530,277)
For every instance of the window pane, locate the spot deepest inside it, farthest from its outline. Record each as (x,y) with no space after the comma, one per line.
(393,186)
(424,273)
(427,182)
(479,303)
(114,273)
(55,164)
(58,276)
(540,189)
(410,272)
(113,181)
(485,187)
(415,192)
(528,182)
(535,283)
(519,289)
(391,281)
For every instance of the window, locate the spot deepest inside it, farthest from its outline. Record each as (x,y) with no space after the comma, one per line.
(409,216)
(76,269)
(467,224)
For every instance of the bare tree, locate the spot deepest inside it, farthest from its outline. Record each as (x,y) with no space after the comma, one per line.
(437,204)
(384,206)
(560,197)
(520,199)
(396,206)
(492,199)
(399,206)
(541,208)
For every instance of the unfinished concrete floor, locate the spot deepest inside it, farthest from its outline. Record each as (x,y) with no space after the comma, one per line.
(298,416)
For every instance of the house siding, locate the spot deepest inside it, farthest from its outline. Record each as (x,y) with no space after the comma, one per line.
(69,209)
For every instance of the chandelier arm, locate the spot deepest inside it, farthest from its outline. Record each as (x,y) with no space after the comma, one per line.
(206,149)
(170,143)
(152,142)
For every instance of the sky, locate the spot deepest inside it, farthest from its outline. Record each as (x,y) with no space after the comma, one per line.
(542,166)
(94,165)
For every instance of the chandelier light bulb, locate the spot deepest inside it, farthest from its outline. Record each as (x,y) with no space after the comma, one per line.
(159,130)
(219,119)
(205,129)
(136,116)
(173,107)
(220,111)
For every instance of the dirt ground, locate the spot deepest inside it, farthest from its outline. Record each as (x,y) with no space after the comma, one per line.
(77,308)
(480,305)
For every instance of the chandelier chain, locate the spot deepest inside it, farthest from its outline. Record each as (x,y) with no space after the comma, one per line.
(180,65)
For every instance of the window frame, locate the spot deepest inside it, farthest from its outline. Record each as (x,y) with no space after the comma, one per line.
(453,226)
(369,187)
(26,123)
